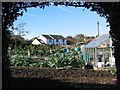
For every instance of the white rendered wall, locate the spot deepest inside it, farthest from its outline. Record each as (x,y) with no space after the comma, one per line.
(43,38)
(36,42)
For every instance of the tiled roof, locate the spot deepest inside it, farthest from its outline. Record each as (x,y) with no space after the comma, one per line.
(47,36)
(57,36)
(97,41)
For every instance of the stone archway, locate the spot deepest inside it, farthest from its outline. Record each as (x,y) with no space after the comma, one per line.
(110,11)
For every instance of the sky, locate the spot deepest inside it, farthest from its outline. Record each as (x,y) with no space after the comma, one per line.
(61,20)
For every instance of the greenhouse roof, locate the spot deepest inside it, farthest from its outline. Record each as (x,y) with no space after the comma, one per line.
(97,41)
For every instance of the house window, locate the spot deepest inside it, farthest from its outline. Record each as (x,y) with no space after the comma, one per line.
(63,40)
(50,40)
(56,40)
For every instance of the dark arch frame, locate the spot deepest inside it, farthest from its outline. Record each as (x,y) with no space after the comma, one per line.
(108,10)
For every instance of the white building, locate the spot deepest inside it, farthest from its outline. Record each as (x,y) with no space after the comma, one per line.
(58,39)
(37,42)
(53,39)
(46,39)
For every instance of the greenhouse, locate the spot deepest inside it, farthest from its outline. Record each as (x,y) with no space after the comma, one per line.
(100,51)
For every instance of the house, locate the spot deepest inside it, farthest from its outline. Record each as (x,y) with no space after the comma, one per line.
(46,39)
(58,40)
(53,39)
(37,42)
(100,51)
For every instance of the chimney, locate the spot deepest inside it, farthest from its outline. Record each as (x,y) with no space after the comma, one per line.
(98,27)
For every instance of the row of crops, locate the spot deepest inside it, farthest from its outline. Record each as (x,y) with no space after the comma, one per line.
(34,50)
(57,58)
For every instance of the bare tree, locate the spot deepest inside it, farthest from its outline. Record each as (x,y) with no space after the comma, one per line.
(20,29)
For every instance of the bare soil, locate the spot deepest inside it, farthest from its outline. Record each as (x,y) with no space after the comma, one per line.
(37,78)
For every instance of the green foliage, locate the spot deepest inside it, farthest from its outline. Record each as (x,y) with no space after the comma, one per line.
(65,60)
(16,41)
(17,50)
(34,50)
(26,61)
(20,61)
(57,60)
(79,38)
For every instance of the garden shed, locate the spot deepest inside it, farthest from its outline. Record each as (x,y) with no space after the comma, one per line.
(100,51)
